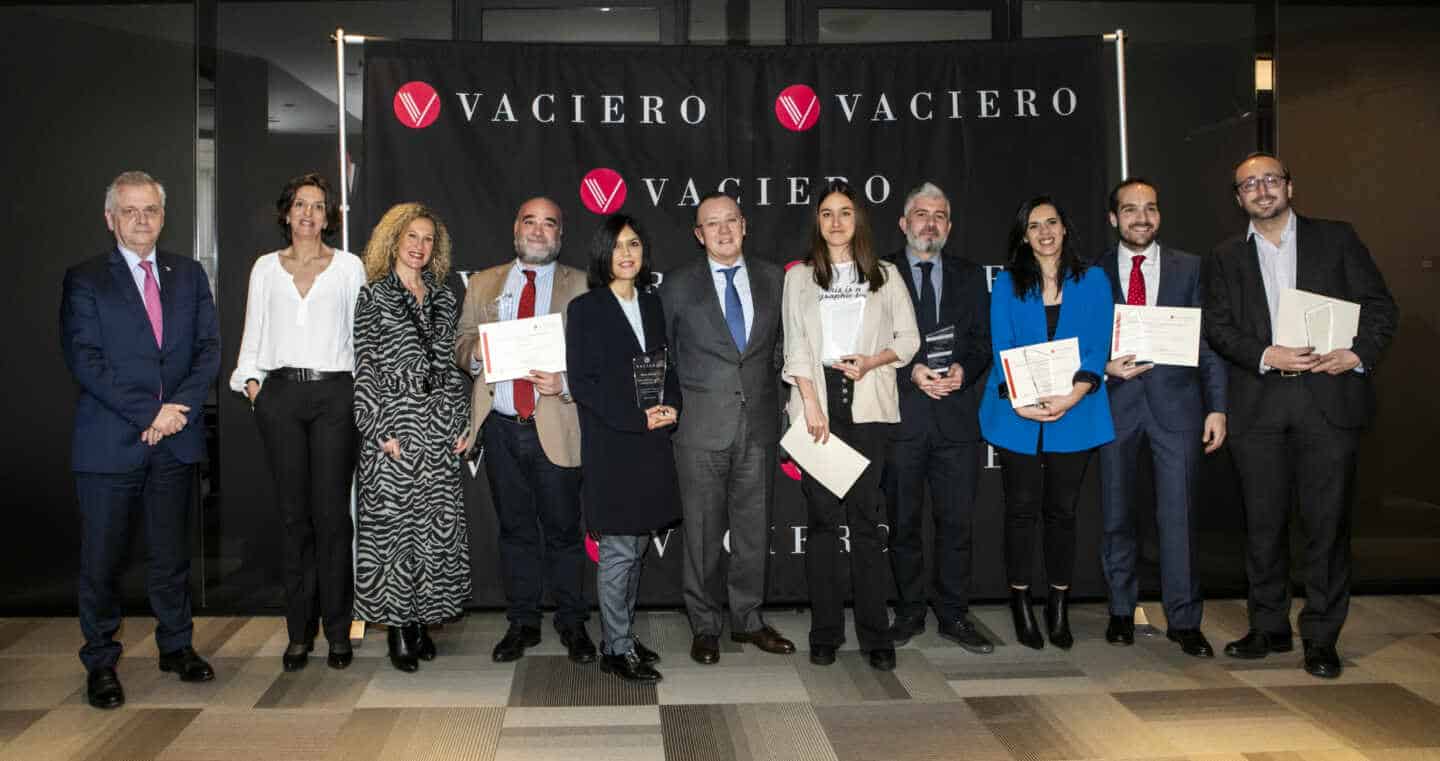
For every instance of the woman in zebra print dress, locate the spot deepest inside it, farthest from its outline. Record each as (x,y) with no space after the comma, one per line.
(412,406)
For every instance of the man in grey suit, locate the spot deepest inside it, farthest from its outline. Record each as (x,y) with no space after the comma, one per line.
(722,316)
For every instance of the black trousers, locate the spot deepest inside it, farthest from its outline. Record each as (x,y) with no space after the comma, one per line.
(1290,453)
(951,470)
(311,443)
(537,504)
(161,490)
(1044,486)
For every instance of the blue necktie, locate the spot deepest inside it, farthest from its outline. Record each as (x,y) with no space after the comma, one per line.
(734,312)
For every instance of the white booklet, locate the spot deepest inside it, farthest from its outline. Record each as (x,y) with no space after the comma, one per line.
(1159,335)
(510,349)
(1309,319)
(1040,370)
(835,464)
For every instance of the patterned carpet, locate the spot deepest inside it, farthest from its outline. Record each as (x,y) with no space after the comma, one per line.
(1094,702)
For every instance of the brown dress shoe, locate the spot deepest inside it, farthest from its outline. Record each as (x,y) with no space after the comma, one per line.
(766,639)
(705,649)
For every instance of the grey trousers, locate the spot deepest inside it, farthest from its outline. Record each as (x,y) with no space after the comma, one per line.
(720,491)
(618,578)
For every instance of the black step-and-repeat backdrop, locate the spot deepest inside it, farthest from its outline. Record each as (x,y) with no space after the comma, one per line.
(475,129)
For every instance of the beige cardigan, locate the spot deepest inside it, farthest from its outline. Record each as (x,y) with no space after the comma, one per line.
(889,323)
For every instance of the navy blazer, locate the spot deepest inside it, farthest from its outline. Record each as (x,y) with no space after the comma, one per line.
(1086,310)
(1329,260)
(1179,397)
(123,376)
(965,304)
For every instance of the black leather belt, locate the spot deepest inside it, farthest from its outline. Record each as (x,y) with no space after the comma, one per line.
(516,419)
(305,374)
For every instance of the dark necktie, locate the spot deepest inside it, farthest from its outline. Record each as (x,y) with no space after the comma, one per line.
(524,390)
(927,314)
(1135,296)
(734,312)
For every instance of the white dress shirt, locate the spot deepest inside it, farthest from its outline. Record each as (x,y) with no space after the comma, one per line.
(1149,270)
(631,308)
(1277,270)
(283,329)
(504,396)
(742,286)
(132,260)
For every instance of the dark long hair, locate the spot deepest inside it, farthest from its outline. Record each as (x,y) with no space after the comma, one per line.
(287,197)
(602,251)
(1024,270)
(862,247)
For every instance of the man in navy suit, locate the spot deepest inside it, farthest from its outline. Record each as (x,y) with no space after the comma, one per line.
(1176,409)
(139,334)
(1298,412)
(937,442)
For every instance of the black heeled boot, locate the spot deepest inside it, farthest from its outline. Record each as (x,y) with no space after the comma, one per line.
(402,650)
(424,646)
(1057,618)
(1027,629)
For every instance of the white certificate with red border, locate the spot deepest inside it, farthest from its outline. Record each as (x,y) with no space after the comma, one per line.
(510,349)
(1040,370)
(1159,335)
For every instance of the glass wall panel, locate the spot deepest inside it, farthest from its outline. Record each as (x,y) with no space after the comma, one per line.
(839,25)
(572,25)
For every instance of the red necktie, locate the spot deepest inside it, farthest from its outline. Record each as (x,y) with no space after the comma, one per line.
(524,390)
(1136,295)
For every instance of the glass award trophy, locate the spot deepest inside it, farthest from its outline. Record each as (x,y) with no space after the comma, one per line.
(940,349)
(650,378)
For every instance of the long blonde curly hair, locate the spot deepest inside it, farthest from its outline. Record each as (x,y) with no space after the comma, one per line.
(384,245)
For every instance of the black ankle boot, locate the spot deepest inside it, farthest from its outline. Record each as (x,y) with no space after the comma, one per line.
(1027,630)
(1057,618)
(402,650)
(424,646)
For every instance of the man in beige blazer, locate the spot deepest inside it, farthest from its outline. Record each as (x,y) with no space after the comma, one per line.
(531,440)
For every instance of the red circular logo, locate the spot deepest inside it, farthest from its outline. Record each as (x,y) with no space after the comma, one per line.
(603,191)
(417,105)
(797,108)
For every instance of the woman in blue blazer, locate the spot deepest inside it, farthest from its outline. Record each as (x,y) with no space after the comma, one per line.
(1047,293)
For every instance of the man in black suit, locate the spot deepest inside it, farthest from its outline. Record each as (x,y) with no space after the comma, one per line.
(938,439)
(139,334)
(1296,414)
(722,317)
(1176,409)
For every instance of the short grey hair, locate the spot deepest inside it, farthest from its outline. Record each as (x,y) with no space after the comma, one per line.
(924,190)
(132,177)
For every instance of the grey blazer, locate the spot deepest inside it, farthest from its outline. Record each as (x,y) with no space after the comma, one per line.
(718,383)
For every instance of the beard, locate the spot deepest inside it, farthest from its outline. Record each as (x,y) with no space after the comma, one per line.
(922,246)
(530,254)
(1138,240)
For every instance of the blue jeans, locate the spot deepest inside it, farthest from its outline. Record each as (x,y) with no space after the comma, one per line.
(618,578)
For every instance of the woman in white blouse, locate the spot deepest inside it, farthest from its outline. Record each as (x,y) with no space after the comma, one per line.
(295,366)
(848,324)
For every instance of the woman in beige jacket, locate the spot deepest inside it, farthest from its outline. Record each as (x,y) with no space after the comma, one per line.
(848,325)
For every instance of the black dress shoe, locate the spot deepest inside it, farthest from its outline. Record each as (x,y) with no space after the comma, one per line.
(424,646)
(102,688)
(1120,630)
(647,656)
(822,655)
(296,656)
(1258,644)
(1321,660)
(964,634)
(630,668)
(513,644)
(188,664)
(767,639)
(1057,618)
(340,656)
(1027,630)
(905,628)
(1192,642)
(705,649)
(401,650)
(578,644)
(882,659)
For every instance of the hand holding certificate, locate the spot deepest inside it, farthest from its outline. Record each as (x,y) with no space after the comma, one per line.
(510,349)
(1040,370)
(835,464)
(1159,335)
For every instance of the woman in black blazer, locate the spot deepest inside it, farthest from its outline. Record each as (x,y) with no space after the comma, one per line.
(630,488)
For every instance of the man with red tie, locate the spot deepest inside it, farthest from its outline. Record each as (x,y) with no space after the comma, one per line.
(139,334)
(1175,410)
(531,435)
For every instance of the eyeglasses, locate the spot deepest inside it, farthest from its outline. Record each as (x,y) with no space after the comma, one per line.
(1271,181)
(133,213)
